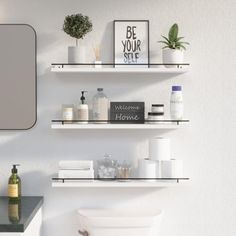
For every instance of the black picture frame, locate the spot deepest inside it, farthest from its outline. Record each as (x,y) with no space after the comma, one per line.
(148,43)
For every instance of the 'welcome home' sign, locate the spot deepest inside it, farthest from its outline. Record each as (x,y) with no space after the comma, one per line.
(127,112)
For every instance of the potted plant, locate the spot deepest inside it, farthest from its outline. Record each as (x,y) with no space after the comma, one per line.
(173,50)
(77,26)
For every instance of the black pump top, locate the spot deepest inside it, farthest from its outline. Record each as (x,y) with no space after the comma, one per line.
(82,98)
(14,169)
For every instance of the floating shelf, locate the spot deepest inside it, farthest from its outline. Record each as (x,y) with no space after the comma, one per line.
(130,183)
(165,124)
(138,68)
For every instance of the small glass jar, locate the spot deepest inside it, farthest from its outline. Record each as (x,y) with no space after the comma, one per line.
(153,117)
(158,108)
(107,168)
(68,112)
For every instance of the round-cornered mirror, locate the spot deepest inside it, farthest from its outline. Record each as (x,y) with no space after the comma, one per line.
(18,78)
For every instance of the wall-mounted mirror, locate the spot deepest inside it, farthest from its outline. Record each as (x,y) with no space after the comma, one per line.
(18,87)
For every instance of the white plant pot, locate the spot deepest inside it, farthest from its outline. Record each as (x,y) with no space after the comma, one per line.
(172,56)
(76,54)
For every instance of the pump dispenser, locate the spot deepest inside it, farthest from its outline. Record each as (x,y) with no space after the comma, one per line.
(83,111)
(82,98)
(14,184)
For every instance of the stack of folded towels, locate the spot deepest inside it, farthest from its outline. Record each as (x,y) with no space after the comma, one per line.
(76,169)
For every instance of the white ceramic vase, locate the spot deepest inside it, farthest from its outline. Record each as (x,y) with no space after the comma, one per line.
(172,56)
(76,54)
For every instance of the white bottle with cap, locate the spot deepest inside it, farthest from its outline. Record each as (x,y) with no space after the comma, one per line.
(176,103)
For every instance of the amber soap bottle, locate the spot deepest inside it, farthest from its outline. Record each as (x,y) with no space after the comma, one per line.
(14,184)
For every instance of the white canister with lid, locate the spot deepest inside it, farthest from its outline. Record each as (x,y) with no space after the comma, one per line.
(158,108)
(68,112)
(153,117)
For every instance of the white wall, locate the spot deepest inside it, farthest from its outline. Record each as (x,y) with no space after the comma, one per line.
(204,208)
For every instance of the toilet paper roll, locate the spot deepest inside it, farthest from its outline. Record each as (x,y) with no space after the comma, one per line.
(147,168)
(158,169)
(159,148)
(172,168)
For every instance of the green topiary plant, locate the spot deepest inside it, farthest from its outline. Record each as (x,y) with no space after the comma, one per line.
(173,41)
(77,26)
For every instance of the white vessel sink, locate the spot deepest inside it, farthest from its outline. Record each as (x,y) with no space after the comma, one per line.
(117,222)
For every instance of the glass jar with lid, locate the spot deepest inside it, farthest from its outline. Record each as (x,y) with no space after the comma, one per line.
(107,168)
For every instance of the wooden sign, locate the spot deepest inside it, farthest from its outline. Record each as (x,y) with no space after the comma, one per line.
(127,112)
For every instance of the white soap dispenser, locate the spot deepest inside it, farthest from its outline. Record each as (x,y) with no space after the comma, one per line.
(83,111)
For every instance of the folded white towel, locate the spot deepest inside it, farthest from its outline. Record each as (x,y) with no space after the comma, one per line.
(76,165)
(76,174)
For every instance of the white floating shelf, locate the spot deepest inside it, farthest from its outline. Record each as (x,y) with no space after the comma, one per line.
(90,70)
(116,184)
(118,126)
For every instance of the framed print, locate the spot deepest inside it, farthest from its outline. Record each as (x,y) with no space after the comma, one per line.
(131,43)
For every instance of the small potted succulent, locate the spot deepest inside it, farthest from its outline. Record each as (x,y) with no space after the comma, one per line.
(77,26)
(173,50)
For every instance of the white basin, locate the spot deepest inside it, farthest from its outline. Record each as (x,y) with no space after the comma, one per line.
(119,222)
